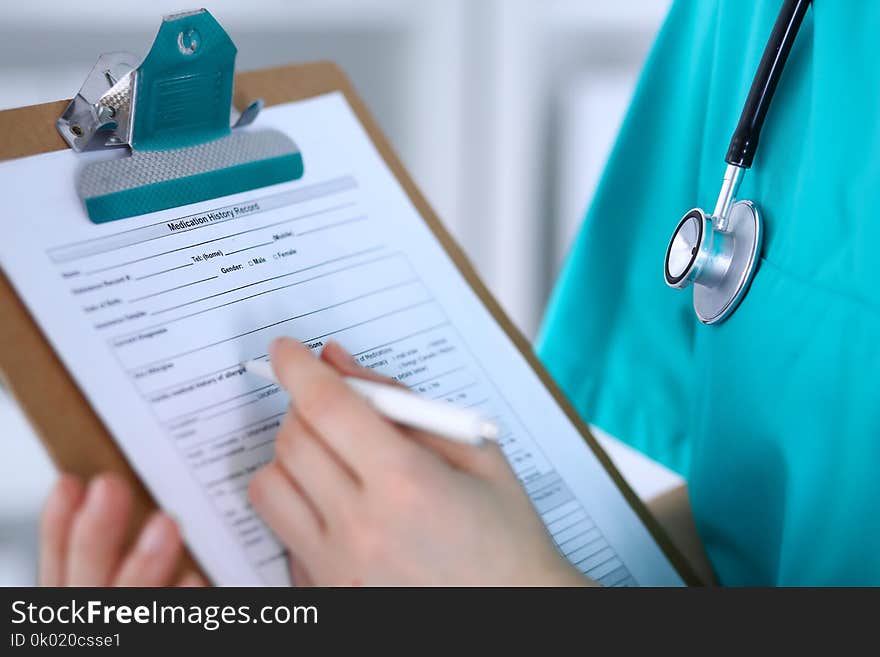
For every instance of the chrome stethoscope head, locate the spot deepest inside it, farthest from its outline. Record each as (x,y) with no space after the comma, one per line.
(717,253)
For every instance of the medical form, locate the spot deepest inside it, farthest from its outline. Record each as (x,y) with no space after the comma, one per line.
(153,316)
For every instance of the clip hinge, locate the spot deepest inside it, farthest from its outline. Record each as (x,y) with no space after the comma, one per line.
(103,107)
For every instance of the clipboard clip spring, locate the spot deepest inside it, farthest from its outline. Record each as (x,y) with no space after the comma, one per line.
(103,104)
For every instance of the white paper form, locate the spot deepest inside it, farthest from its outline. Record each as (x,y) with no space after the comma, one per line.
(153,315)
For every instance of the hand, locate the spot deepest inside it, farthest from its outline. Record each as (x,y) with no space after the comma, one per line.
(361,501)
(82,539)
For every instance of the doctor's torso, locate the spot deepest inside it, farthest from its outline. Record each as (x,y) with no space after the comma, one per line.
(773,416)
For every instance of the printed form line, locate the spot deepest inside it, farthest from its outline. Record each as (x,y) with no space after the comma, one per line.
(237,365)
(218,239)
(267,203)
(172,289)
(282,321)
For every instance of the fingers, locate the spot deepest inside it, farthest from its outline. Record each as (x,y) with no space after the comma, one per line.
(334,354)
(83,537)
(55,524)
(154,556)
(299,574)
(98,532)
(486,461)
(281,503)
(329,407)
(191,580)
(327,478)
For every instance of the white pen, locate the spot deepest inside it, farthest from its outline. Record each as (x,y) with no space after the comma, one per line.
(459,424)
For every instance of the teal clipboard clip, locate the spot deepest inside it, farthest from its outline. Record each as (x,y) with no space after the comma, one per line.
(174,111)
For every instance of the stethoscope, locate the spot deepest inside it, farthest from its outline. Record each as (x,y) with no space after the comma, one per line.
(719,253)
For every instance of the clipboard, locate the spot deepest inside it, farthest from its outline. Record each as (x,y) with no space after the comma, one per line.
(72,433)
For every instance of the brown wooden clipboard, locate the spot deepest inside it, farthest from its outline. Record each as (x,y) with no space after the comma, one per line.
(76,439)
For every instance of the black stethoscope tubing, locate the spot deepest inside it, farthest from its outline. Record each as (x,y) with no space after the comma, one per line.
(744,142)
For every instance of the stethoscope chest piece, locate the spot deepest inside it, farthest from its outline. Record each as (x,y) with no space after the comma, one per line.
(719,253)
(720,263)
(740,248)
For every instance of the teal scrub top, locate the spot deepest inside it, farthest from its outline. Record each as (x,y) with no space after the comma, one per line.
(774,416)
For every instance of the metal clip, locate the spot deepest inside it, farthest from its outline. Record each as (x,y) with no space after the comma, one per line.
(105,110)
(174,111)
(102,108)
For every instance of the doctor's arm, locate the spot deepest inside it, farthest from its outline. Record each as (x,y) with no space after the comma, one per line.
(402,506)
(355,498)
(359,500)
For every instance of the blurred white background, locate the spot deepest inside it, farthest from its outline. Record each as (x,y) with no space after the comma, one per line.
(503,110)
